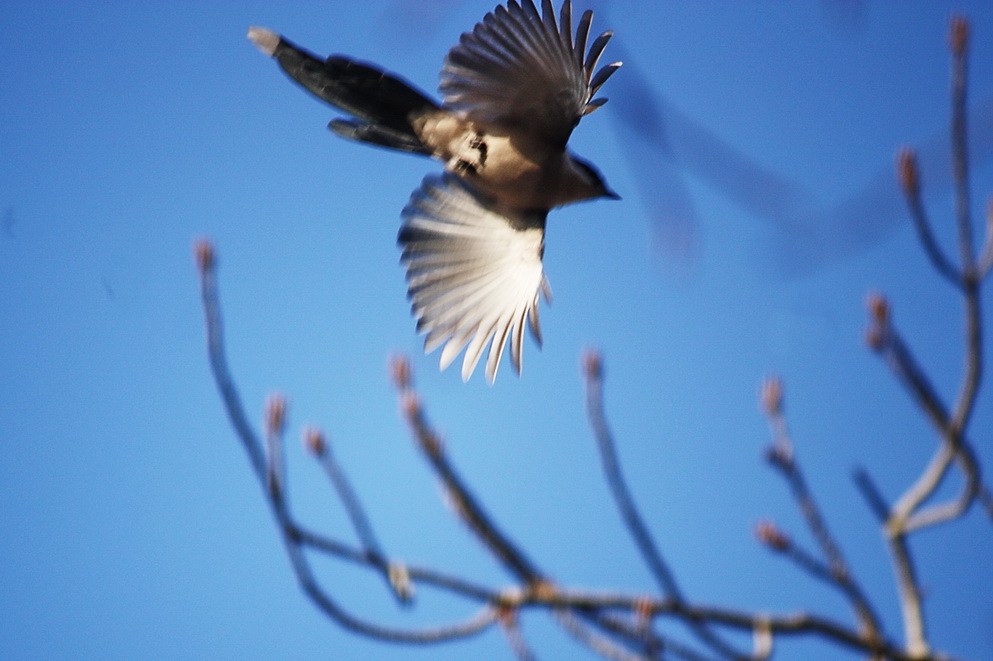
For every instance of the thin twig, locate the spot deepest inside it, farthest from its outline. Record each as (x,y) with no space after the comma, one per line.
(421,575)
(275,424)
(637,631)
(896,354)
(271,483)
(603,646)
(791,472)
(870,492)
(910,182)
(836,572)
(615,480)
(955,508)
(910,594)
(884,339)
(798,624)
(510,625)
(836,576)
(465,503)
(593,370)
(207,268)
(472,626)
(902,362)
(320,447)
(965,404)
(959,42)
(984,263)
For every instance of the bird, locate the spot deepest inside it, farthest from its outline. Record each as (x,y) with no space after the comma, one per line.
(472,237)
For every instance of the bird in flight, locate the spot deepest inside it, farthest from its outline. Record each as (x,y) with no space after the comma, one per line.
(472,238)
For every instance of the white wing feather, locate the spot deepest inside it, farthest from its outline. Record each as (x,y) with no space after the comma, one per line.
(474,272)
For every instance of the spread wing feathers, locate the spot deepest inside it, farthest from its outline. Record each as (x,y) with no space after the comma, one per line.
(473,272)
(523,70)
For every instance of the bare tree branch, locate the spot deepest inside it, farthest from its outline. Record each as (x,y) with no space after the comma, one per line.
(515,638)
(909,175)
(888,343)
(464,502)
(604,647)
(985,261)
(272,479)
(835,571)
(593,370)
(870,492)
(396,575)
(959,42)
(906,515)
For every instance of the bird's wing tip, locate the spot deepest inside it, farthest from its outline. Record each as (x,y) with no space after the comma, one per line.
(265,40)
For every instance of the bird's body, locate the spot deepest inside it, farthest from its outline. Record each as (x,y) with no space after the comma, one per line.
(512,167)
(473,238)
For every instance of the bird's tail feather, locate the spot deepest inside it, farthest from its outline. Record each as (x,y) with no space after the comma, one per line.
(382,104)
(377,134)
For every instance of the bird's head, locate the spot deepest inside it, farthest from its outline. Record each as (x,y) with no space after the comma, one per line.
(591,183)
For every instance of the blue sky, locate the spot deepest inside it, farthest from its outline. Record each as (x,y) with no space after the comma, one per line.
(132,526)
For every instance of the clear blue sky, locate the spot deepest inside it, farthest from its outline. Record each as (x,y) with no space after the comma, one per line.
(132,528)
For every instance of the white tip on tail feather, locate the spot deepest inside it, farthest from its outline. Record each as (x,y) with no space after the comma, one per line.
(265,40)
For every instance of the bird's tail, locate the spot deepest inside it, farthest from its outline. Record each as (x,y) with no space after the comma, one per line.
(383,106)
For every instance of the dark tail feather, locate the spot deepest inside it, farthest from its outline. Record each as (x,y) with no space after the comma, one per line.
(384,105)
(378,134)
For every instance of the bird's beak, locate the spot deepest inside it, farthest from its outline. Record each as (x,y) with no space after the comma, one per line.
(610,195)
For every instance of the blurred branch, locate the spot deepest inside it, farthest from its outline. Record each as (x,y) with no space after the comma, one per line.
(207,268)
(985,262)
(910,182)
(275,423)
(797,624)
(909,514)
(537,591)
(462,499)
(959,43)
(835,570)
(971,279)
(601,645)
(593,371)
(602,631)
(870,492)
(638,629)
(515,638)
(886,341)
(397,575)
(271,476)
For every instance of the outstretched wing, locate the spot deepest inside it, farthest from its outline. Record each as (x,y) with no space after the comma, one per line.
(473,272)
(525,71)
